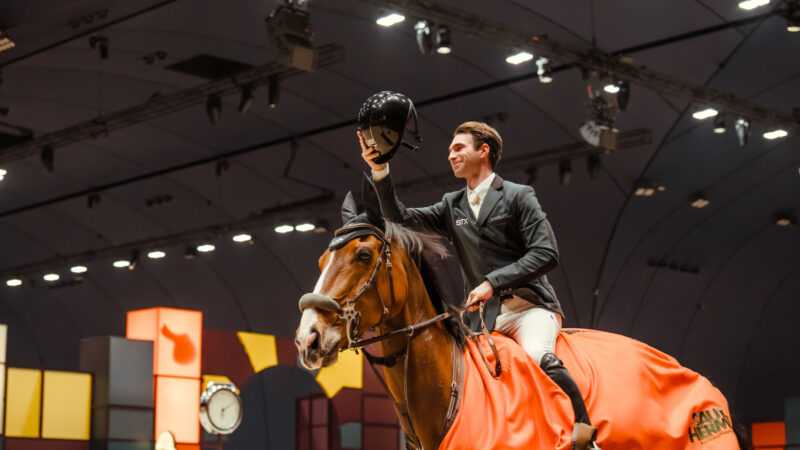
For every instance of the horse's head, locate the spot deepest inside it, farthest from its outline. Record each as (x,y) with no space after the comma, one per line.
(357,291)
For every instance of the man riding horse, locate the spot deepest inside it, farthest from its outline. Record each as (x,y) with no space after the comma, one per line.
(502,238)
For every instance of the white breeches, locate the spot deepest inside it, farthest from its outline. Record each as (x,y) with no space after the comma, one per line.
(533,327)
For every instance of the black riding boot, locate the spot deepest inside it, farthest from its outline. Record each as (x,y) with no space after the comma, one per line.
(554,369)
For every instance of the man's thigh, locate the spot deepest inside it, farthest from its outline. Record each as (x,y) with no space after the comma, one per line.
(535,329)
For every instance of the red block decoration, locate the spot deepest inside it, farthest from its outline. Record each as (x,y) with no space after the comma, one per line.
(177,342)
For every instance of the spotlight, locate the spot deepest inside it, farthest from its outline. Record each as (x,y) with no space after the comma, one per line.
(78,269)
(14,282)
(120,263)
(742,127)
(611,88)
(593,165)
(282,229)
(247,99)
(624,94)
(775,134)
(274,92)
(719,124)
(307,226)
(705,113)
(424,37)
(565,171)
(50,277)
(156,254)
(5,42)
(599,130)
(48,157)
(134,260)
(543,70)
(3,173)
(792,24)
(519,57)
(443,45)
(699,201)
(213,108)
(782,220)
(391,19)
(190,253)
(644,191)
(321,226)
(101,44)
(752,4)
(205,248)
(289,30)
(243,237)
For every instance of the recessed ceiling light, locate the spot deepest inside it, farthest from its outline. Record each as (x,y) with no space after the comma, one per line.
(305,227)
(519,58)
(3,172)
(752,4)
(611,88)
(775,134)
(390,19)
(51,277)
(120,263)
(14,282)
(284,229)
(205,248)
(156,254)
(242,237)
(705,114)
(78,269)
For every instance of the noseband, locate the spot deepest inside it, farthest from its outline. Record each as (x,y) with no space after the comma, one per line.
(348,312)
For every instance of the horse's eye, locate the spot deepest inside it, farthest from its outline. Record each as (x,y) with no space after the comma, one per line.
(364,256)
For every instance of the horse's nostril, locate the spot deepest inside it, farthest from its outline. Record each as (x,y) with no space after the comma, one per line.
(313,343)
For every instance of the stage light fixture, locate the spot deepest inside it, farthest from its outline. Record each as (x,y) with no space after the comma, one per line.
(321,226)
(306,226)
(443,42)
(700,201)
(782,220)
(120,263)
(274,92)
(156,254)
(611,88)
(624,94)
(519,57)
(101,44)
(13,282)
(775,134)
(78,269)
(424,37)
(390,19)
(565,171)
(593,165)
(242,237)
(214,108)
(48,157)
(544,71)
(3,173)
(247,99)
(742,127)
(50,277)
(134,260)
(283,229)
(705,114)
(719,124)
(289,30)
(205,248)
(752,4)
(190,253)
(5,42)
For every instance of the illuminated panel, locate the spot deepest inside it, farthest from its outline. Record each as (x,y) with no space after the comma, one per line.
(176,336)
(23,402)
(67,405)
(769,434)
(178,408)
(260,348)
(347,372)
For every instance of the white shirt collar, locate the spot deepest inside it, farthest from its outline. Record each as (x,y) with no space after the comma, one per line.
(481,189)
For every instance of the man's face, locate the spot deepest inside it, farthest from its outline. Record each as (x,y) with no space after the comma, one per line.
(465,159)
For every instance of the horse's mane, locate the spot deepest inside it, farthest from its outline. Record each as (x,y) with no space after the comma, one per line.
(428,252)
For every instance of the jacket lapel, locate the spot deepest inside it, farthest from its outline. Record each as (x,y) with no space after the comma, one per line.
(493,195)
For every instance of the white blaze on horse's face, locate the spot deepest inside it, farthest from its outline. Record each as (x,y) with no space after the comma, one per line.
(315,338)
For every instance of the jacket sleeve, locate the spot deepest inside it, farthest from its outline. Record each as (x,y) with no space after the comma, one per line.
(430,218)
(541,254)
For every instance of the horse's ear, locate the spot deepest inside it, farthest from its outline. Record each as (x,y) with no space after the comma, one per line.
(349,208)
(369,196)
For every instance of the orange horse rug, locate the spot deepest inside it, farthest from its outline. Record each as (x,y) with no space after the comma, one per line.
(637,397)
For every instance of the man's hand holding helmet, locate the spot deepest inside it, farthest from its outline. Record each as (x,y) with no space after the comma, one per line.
(369,154)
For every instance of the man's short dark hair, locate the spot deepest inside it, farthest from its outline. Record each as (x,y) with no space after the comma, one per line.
(482,133)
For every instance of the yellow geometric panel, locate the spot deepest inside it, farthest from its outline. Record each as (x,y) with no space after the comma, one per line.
(260,348)
(67,409)
(216,379)
(347,372)
(23,402)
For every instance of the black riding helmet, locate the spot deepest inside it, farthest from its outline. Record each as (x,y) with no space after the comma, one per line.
(382,120)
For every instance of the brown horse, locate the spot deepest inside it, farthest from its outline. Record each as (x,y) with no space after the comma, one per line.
(370,280)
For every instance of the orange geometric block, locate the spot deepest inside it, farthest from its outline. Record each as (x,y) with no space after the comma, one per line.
(769,434)
(178,408)
(176,335)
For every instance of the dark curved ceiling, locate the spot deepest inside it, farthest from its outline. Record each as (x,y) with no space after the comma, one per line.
(733,320)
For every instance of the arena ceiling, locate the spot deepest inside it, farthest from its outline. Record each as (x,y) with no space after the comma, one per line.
(717,287)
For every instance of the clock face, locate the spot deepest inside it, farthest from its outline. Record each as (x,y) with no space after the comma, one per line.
(224,409)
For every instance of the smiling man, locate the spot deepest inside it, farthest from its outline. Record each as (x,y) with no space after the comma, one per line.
(503,241)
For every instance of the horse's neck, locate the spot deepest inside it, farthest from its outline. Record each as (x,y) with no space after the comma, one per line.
(430,366)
